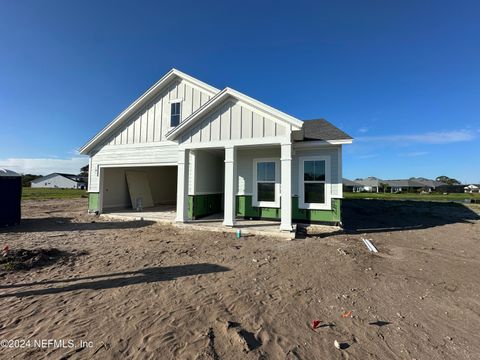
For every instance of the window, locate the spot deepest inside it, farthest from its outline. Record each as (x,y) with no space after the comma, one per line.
(314,183)
(175,111)
(266,184)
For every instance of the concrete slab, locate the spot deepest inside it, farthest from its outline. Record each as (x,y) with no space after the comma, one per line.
(166,214)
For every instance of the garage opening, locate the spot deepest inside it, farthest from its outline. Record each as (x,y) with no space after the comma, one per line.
(146,189)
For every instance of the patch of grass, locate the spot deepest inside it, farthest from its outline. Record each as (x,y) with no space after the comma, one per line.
(411,196)
(29,193)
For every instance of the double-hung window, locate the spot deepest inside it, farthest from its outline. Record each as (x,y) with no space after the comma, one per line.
(175,113)
(266,183)
(314,183)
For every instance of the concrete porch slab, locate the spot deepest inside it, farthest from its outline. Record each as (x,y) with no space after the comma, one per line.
(166,215)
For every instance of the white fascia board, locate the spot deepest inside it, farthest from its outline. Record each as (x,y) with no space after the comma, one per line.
(142,100)
(225,93)
(204,86)
(314,144)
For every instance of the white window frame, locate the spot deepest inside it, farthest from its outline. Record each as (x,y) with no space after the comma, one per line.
(176,101)
(270,204)
(328,184)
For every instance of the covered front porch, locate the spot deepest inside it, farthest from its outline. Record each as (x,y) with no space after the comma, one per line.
(221,186)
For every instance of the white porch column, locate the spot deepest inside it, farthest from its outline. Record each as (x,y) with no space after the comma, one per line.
(182,186)
(286,187)
(230,185)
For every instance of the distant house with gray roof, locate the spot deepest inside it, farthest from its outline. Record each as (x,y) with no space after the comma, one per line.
(351,186)
(370,184)
(60,181)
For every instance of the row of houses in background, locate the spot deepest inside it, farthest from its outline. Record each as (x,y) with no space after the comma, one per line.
(373,184)
(60,181)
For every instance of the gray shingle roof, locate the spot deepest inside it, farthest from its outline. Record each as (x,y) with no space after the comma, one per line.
(428,182)
(404,183)
(370,181)
(348,182)
(321,129)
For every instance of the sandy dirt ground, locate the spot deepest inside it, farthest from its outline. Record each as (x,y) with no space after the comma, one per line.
(150,291)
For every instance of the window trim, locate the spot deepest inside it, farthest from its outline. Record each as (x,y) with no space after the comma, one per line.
(176,101)
(301,184)
(269,204)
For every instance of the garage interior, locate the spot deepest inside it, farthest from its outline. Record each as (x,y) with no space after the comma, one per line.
(140,188)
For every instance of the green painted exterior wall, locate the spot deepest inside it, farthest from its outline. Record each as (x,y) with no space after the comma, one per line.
(330,216)
(245,209)
(203,205)
(93,201)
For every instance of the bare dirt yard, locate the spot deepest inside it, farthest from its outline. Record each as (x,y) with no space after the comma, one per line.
(136,290)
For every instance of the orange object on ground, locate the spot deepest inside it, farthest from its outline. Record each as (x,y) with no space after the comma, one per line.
(347,314)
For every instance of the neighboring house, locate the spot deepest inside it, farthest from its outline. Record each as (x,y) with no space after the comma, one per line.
(455,189)
(472,188)
(373,184)
(403,185)
(370,184)
(351,186)
(209,150)
(59,180)
(428,184)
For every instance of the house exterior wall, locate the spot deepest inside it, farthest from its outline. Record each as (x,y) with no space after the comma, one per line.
(209,173)
(163,153)
(245,159)
(56,181)
(140,139)
(204,203)
(206,183)
(335,155)
(151,122)
(245,209)
(234,120)
(246,156)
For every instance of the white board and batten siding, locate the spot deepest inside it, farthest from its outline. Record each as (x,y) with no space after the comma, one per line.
(232,120)
(140,139)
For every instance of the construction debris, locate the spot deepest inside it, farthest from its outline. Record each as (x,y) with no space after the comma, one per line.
(315,324)
(370,245)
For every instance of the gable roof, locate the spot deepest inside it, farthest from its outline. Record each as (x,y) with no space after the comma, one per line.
(428,182)
(219,98)
(370,181)
(348,182)
(72,177)
(321,129)
(404,183)
(144,98)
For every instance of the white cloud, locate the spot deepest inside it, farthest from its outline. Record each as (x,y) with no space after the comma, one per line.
(44,166)
(443,137)
(363,130)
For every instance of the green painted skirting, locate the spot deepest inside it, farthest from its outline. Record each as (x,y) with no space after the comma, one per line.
(93,202)
(245,209)
(203,205)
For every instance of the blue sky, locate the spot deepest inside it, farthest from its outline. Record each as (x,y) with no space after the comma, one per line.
(402,77)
